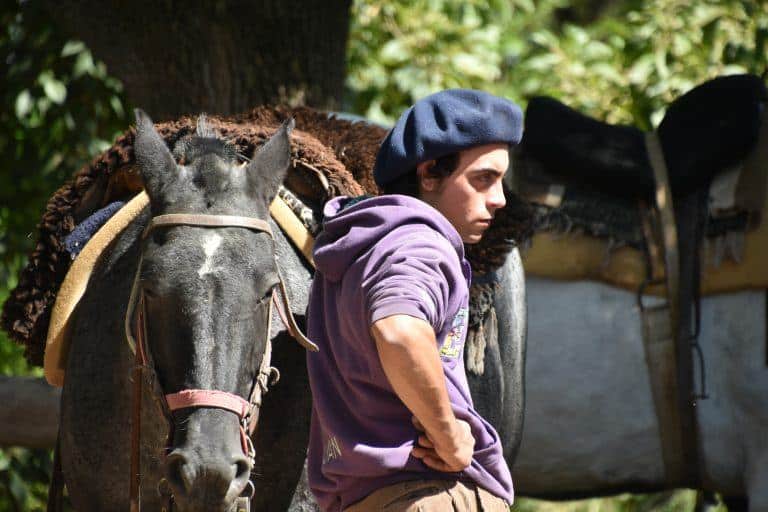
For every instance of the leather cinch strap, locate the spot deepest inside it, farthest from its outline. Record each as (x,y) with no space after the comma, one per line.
(672,385)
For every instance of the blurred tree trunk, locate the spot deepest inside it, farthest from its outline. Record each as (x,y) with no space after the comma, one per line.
(220,57)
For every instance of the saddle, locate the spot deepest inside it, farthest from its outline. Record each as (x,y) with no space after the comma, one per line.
(646,204)
(593,185)
(710,128)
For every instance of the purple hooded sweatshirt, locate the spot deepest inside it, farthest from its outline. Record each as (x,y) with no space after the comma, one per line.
(384,256)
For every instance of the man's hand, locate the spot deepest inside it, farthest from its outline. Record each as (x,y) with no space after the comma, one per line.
(448,451)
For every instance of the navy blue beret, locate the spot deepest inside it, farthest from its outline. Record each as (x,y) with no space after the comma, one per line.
(443,123)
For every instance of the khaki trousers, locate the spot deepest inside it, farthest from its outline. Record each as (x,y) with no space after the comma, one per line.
(430,496)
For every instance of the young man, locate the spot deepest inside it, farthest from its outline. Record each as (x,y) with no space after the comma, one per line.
(393,424)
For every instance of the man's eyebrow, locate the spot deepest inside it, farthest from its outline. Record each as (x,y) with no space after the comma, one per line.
(487,169)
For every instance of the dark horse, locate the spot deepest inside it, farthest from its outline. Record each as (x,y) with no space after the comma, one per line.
(205,291)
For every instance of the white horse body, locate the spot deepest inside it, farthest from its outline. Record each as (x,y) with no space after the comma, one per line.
(590,423)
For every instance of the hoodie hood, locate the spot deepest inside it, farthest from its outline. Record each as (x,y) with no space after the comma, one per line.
(348,232)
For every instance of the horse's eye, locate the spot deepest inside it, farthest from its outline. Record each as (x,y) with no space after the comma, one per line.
(266,297)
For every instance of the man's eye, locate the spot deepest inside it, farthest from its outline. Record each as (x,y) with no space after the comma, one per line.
(486,178)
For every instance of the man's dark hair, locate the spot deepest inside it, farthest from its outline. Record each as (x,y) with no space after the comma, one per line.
(408,183)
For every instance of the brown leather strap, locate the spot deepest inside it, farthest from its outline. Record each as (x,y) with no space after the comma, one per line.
(56,489)
(674,411)
(135,477)
(649,223)
(286,314)
(210,221)
(668,226)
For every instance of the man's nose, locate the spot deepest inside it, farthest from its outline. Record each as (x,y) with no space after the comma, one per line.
(496,198)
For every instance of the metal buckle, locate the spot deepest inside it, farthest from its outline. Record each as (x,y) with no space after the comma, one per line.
(164,488)
(243,502)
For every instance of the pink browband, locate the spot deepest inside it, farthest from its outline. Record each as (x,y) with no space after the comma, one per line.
(208,398)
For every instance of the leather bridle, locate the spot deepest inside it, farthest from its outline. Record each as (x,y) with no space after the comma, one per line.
(144,367)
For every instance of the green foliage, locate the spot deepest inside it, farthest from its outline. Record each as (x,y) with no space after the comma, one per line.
(402,50)
(23,479)
(59,108)
(628,66)
(624,67)
(12,360)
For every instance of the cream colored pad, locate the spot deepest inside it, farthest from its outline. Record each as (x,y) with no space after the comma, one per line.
(75,284)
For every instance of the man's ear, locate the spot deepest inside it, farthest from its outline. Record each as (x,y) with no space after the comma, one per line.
(428,182)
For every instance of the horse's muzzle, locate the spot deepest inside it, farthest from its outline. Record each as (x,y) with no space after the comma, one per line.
(207,470)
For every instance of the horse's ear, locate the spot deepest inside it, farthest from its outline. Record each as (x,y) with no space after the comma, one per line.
(269,165)
(155,160)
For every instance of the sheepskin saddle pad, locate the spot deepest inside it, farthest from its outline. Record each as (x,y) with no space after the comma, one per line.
(712,127)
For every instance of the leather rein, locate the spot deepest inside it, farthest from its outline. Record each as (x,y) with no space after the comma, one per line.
(144,367)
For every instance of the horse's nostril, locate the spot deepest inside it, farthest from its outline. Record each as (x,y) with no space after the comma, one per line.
(179,472)
(242,469)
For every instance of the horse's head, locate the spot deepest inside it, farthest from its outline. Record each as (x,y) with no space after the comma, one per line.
(206,296)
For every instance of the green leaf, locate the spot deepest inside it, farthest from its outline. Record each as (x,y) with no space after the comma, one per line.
(117,106)
(23,104)
(72,48)
(544,38)
(527,6)
(607,71)
(733,69)
(544,62)
(394,51)
(18,489)
(84,64)
(641,70)
(578,34)
(476,65)
(594,50)
(54,89)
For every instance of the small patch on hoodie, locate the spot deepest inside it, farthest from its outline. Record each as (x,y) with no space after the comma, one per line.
(332,450)
(454,340)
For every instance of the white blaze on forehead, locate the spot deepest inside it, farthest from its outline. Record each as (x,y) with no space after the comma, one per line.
(210,246)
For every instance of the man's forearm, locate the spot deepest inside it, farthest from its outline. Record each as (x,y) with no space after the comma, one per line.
(408,353)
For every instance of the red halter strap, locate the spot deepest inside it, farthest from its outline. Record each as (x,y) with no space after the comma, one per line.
(208,398)
(216,399)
